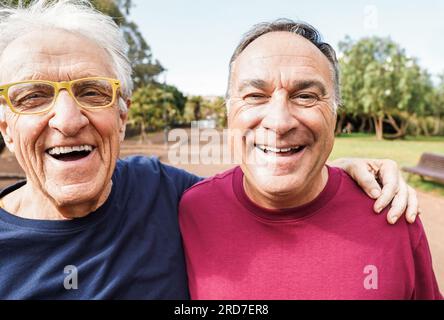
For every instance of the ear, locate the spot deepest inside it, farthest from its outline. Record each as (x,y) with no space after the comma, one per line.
(123,120)
(6,134)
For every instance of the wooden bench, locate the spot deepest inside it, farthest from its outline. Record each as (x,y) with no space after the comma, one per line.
(431,165)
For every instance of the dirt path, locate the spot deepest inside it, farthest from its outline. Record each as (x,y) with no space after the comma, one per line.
(433,221)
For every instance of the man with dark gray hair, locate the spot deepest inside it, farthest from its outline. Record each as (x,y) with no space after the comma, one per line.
(284,225)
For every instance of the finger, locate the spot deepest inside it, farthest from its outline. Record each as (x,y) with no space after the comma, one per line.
(412,205)
(366,180)
(389,175)
(399,203)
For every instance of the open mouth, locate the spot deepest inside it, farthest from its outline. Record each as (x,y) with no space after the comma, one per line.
(279,151)
(70,153)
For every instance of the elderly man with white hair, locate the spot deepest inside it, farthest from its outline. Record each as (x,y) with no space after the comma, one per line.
(85,224)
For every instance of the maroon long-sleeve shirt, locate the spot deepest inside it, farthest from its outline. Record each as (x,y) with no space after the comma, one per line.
(334,247)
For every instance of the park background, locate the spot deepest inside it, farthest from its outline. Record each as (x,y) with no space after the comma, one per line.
(392,80)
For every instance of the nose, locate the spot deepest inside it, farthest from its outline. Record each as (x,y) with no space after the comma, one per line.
(278,117)
(67,117)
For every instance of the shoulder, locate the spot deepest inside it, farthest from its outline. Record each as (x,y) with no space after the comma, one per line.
(349,192)
(209,190)
(148,165)
(152,171)
(354,207)
(212,184)
(136,169)
(139,163)
(208,196)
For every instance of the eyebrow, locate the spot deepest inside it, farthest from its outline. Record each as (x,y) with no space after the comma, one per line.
(256,83)
(305,84)
(296,85)
(44,77)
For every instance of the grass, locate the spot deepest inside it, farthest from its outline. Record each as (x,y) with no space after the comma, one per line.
(405,152)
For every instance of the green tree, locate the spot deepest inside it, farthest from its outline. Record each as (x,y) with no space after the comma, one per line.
(198,107)
(193,108)
(380,82)
(179,100)
(437,106)
(144,68)
(153,107)
(216,109)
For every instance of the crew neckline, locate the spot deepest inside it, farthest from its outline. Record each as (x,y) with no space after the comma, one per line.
(56,226)
(288,214)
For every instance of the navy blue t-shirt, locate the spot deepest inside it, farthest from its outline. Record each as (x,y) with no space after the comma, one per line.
(130,248)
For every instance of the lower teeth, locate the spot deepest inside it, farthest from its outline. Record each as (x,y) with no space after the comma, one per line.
(76,155)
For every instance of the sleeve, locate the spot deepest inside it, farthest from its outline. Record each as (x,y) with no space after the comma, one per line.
(182,179)
(426,286)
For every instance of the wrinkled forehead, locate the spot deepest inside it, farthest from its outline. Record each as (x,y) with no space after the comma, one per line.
(56,55)
(281,53)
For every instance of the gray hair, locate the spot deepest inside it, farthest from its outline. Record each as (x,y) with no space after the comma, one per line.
(300,28)
(78,17)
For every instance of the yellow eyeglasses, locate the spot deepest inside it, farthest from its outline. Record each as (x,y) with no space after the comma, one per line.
(39,96)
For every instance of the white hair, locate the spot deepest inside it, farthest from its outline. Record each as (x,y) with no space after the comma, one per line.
(75,16)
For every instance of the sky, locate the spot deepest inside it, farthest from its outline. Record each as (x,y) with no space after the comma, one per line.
(194,39)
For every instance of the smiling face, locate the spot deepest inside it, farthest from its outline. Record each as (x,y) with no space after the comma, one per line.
(282,93)
(68,153)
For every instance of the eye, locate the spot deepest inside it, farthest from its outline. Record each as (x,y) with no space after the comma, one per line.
(32,100)
(89,93)
(34,96)
(305,99)
(256,98)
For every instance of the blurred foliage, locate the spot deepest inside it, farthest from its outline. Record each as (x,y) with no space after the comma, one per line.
(156,107)
(384,85)
(145,69)
(204,108)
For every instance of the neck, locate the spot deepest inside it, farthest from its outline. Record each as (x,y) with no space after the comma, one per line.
(288,199)
(31,203)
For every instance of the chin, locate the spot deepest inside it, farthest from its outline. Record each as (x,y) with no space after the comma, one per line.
(74,193)
(278,184)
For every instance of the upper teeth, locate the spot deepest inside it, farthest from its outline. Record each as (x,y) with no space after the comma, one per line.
(64,150)
(276,150)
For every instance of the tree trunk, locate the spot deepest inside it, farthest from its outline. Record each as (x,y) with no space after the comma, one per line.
(379,129)
(142,137)
(363,124)
(417,127)
(340,123)
(404,125)
(437,128)
(197,113)
(425,128)
(371,126)
(400,129)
